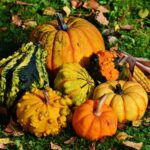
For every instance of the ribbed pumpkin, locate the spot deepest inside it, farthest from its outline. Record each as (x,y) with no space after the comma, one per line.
(43,112)
(74,81)
(127,98)
(108,65)
(70,40)
(94,120)
(22,71)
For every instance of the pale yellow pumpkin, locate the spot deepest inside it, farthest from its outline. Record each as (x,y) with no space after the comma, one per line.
(128,99)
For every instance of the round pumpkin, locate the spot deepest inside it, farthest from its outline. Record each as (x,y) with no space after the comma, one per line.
(94,120)
(43,112)
(108,65)
(75,82)
(69,40)
(127,98)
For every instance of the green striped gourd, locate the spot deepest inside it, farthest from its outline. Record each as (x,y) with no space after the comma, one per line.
(22,71)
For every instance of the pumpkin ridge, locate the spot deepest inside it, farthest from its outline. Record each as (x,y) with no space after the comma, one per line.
(124,108)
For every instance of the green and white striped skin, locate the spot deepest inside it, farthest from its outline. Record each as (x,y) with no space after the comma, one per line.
(22,71)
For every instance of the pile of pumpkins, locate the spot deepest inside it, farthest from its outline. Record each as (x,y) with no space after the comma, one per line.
(65,72)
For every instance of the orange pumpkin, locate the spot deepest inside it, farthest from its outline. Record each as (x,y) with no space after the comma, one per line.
(93,120)
(69,40)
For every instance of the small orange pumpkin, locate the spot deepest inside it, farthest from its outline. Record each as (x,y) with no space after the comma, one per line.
(93,120)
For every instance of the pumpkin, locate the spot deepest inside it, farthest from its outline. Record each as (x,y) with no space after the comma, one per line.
(68,40)
(127,98)
(22,71)
(43,112)
(74,81)
(94,120)
(108,65)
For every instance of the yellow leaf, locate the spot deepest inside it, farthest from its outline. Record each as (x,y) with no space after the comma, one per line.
(137,146)
(67,10)
(29,23)
(55,146)
(143,13)
(136,123)
(5,141)
(123,136)
(49,11)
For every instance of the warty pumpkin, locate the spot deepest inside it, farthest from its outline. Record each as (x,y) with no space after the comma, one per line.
(69,40)
(74,81)
(22,71)
(94,120)
(108,65)
(43,112)
(127,98)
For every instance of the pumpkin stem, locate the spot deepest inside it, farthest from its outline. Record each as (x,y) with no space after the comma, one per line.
(118,89)
(46,96)
(61,24)
(100,104)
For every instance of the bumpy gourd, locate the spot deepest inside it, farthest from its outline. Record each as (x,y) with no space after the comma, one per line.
(22,71)
(94,120)
(43,112)
(74,81)
(127,98)
(107,65)
(70,40)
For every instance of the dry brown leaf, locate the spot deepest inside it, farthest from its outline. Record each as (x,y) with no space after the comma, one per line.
(143,13)
(102,9)
(123,136)
(102,19)
(54,146)
(147,119)
(2,146)
(76,4)
(16,20)
(92,4)
(137,146)
(112,40)
(28,24)
(23,3)
(92,147)
(71,140)
(49,11)
(136,123)
(3,29)
(127,27)
(67,10)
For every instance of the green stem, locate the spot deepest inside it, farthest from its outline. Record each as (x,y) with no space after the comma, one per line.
(61,24)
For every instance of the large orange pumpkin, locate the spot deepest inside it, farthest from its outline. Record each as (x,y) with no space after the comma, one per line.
(93,120)
(127,98)
(70,40)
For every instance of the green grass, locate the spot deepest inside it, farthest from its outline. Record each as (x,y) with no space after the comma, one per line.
(135,42)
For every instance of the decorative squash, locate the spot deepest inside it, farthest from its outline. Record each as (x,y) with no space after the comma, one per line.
(128,99)
(43,112)
(69,40)
(74,81)
(22,71)
(93,120)
(107,65)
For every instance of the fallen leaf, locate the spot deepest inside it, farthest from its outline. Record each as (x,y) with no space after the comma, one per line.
(92,147)
(67,10)
(16,20)
(2,146)
(102,9)
(28,24)
(102,140)
(127,27)
(76,4)
(121,125)
(143,13)
(123,136)
(92,4)
(5,141)
(102,19)
(71,140)
(55,146)
(3,29)
(137,146)
(112,40)
(147,119)
(23,3)
(49,11)
(136,123)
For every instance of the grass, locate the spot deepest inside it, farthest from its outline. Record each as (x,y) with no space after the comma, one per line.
(135,42)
